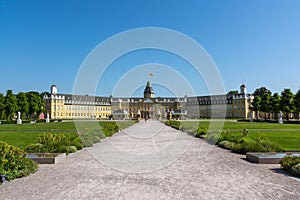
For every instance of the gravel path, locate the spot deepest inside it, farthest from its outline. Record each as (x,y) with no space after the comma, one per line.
(152,161)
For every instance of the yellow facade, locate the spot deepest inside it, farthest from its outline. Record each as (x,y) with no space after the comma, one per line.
(58,108)
(64,106)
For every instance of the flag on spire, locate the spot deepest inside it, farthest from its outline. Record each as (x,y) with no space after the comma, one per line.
(150,74)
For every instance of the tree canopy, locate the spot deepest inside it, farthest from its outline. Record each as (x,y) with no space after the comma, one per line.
(287,102)
(10,105)
(29,104)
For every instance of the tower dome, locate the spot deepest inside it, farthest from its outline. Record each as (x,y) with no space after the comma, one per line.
(148,92)
(53,89)
(243,89)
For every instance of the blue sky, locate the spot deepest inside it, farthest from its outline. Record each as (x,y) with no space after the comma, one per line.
(45,42)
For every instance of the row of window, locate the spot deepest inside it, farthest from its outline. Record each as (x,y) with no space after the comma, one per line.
(87,102)
(221,115)
(228,101)
(60,114)
(85,108)
(166,109)
(238,106)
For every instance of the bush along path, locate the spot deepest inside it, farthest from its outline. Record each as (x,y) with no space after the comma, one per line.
(14,163)
(291,164)
(62,143)
(55,143)
(238,142)
(241,142)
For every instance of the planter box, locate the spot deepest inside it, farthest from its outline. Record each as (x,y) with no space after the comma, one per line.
(268,157)
(46,158)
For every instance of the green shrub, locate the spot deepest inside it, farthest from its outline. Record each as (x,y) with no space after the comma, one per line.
(288,162)
(109,129)
(245,132)
(72,149)
(96,134)
(67,149)
(249,144)
(96,139)
(173,124)
(237,141)
(246,145)
(77,143)
(227,145)
(227,135)
(54,143)
(62,149)
(90,136)
(14,163)
(201,132)
(213,136)
(269,146)
(296,170)
(35,148)
(86,138)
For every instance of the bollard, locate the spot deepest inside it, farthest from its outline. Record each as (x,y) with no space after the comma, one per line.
(2,178)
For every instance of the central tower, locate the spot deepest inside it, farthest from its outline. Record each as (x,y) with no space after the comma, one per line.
(148,92)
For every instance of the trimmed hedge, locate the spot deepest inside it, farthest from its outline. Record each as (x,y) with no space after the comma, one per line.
(291,164)
(14,163)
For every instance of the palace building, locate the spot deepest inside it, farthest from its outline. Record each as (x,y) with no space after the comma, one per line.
(66,106)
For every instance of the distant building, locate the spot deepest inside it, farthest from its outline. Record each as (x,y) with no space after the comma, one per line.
(66,106)
(232,105)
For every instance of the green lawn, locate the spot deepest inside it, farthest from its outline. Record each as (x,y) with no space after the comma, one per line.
(287,135)
(25,134)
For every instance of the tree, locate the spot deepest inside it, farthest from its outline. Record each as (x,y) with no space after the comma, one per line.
(265,104)
(23,104)
(261,92)
(275,104)
(255,105)
(297,103)
(10,105)
(287,102)
(33,104)
(2,107)
(41,105)
(233,92)
(264,95)
(36,103)
(44,94)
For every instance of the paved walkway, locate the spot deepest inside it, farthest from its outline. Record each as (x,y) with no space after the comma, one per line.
(152,161)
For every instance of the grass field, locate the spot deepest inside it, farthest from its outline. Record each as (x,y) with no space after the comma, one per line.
(23,135)
(287,135)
